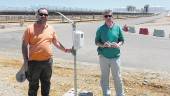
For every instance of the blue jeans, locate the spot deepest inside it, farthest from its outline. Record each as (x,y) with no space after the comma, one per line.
(105,65)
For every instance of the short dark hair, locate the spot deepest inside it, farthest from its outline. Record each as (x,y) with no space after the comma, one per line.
(38,11)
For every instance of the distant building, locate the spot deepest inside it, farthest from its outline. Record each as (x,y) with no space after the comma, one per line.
(156,9)
(131,8)
(119,10)
(128,9)
(146,8)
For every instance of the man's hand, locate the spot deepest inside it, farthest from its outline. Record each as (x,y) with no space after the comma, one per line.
(107,44)
(68,50)
(25,61)
(115,45)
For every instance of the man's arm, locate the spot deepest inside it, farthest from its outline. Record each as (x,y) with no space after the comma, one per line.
(99,44)
(25,52)
(60,46)
(98,40)
(120,39)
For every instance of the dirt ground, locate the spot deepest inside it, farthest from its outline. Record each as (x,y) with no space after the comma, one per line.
(136,83)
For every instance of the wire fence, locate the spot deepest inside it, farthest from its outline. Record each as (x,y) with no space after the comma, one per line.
(30,18)
(57,18)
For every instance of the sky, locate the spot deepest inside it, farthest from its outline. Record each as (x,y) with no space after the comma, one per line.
(85,4)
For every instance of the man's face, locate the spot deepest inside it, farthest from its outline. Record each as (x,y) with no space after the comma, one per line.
(108,17)
(42,15)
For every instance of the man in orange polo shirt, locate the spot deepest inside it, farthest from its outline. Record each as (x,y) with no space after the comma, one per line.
(37,53)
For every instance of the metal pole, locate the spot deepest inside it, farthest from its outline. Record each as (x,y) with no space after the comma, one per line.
(75,74)
(74,53)
(75,65)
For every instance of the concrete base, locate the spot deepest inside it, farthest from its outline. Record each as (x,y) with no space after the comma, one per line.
(82,93)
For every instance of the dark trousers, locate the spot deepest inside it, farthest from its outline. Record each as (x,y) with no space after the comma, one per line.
(39,70)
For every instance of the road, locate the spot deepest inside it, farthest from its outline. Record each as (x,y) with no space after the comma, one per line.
(139,52)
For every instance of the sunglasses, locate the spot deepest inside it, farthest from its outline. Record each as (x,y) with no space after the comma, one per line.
(41,14)
(106,16)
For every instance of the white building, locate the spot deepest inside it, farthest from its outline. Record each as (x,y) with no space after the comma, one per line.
(156,9)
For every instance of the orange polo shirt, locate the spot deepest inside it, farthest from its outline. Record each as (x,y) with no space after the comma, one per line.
(40,41)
